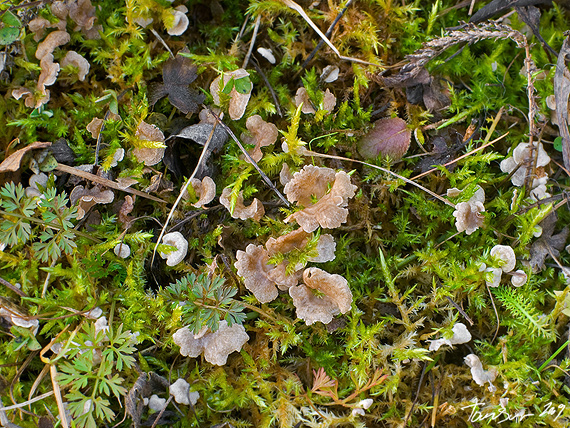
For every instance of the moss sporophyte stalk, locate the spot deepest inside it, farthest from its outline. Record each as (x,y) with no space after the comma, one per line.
(284,214)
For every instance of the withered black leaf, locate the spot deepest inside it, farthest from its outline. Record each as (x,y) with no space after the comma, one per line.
(531,17)
(548,243)
(177,74)
(501,6)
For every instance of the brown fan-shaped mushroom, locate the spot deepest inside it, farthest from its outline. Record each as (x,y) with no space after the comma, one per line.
(73,58)
(329,211)
(252,265)
(205,190)
(262,134)
(52,41)
(310,307)
(216,346)
(149,155)
(238,101)
(49,72)
(87,197)
(254,211)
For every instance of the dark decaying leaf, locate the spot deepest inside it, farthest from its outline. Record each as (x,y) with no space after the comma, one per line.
(501,6)
(146,385)
(199,134)
(561,94)
(531,17)
(177,74)
(442,152)
(547,243)
(420,86)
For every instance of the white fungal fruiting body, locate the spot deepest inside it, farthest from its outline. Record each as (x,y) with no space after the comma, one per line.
(506,256)
(180,390)
(216,346)
(460,335)
(480,376)
(122,250)
(176,239)
(523,161)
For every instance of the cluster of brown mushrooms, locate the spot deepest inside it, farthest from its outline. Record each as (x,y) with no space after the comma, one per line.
(82,13)
(323,196)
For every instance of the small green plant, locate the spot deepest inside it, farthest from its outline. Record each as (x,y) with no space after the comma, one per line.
(95,359)
(204,302)
(48,219)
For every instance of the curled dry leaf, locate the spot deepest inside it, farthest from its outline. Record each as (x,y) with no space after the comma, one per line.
(149,155)
(262,134)
(12,162)
(88,197)
(329,211)
(388,137)
(238,101)
(73,58)
(177,74)
(254,211)
(216,346)
(311,308)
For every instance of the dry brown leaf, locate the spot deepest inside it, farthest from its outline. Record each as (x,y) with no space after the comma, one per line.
(561,94)
(12,162)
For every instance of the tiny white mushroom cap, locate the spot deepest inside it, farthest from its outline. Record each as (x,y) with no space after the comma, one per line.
(493,278)
(180,23)
(330,73)
(122,250)
(176,239)
(507,255)
(267,54)
(180,391)
(156,403)
(519,278)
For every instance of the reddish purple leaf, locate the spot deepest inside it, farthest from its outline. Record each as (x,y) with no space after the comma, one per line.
(388,137)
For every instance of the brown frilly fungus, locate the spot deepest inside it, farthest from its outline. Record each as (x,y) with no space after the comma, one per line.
(261,134)
(216,346)
(149,155)
(311,308)
(254,211)
(330,209)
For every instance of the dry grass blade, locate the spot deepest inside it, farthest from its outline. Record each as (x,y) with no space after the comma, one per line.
(58,397)
(300,11)
(205,152)
(105,182)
